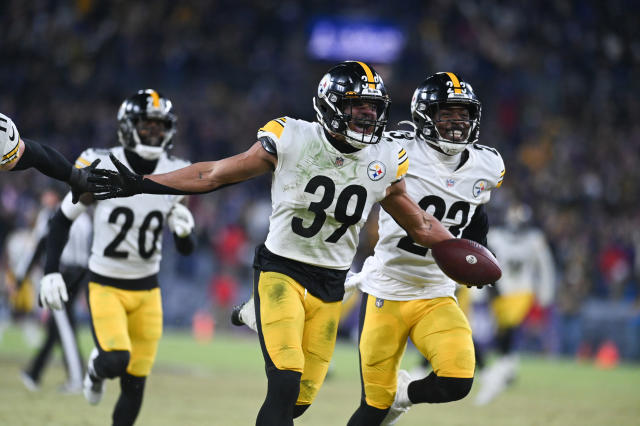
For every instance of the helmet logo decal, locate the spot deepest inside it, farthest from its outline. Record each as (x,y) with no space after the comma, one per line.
(322,87)
(479,187)
(376,170)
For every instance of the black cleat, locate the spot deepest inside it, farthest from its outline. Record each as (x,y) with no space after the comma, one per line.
(235,315)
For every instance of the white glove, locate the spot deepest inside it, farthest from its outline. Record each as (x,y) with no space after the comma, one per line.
(53,291)
(181,221)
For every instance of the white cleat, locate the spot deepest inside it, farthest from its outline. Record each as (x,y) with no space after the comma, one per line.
(92,385)
(493,382)
(401,403)
(245,314)
(28,382)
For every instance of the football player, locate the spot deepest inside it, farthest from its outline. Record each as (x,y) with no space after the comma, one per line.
(326,177)
(405,294)
(528,276)
(18,154)
(123,293)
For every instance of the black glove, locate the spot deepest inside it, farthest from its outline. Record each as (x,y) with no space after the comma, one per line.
(111,184)
(79,180)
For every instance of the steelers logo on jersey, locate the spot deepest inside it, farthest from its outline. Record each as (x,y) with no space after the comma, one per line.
(479,187)
(376,170)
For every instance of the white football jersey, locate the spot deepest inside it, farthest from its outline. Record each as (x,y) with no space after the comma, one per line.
(127,232)
(403,270)
(526,262)
(320,196)
(9,140)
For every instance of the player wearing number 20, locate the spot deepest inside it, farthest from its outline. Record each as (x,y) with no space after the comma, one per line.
(406,294)
(326,177)
(124,296)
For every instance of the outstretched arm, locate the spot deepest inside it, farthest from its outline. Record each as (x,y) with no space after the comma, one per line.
(197,178)
(422,227)
(51,163)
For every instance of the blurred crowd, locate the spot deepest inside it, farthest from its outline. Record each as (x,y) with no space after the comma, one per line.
(556,81)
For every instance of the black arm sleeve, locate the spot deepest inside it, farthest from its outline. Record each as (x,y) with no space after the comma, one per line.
(186,245)
(59,226)
(46,159)
(478,228)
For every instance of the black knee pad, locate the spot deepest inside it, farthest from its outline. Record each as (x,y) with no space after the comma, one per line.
(111,364)
(367,415)
(299,410)
(455,388)
(435,389)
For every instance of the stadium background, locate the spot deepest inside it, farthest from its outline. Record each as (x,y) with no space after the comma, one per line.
(557,80)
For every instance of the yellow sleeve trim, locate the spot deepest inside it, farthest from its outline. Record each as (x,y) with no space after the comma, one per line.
(13,152)
(275,126)
(81,162)
(402,168)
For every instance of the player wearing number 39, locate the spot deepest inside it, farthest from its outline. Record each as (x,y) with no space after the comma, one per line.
(326,177)
(124,296)
(406,295)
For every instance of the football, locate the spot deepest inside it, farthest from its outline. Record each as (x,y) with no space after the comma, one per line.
(466,262)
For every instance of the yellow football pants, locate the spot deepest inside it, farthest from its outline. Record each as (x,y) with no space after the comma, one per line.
(299,330)
(127,320)
(437,327)
(511,309)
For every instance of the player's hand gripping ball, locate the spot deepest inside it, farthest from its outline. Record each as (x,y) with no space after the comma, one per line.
(466,262)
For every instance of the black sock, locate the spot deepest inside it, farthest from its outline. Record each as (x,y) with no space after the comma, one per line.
(130,401)
(367,415)
(282,392)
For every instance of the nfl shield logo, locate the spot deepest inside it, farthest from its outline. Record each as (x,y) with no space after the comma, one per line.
(379,302)
(339,161)
(450,183)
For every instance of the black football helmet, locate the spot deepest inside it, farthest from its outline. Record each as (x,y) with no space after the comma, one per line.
(439,90)
(146,105)
(348,84)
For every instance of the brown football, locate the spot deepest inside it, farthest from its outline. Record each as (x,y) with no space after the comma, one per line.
(466,262)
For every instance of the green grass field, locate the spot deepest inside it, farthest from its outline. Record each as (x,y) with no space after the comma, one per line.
(223,383)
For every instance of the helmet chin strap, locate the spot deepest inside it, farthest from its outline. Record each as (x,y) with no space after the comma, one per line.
(448,147)
(148,152)
(355,139)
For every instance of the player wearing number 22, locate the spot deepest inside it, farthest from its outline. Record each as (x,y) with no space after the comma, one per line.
(326,177)
(124,296)
(406,295)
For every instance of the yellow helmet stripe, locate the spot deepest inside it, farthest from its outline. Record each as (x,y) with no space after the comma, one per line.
(155,97)
(369,73)
(456,82)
